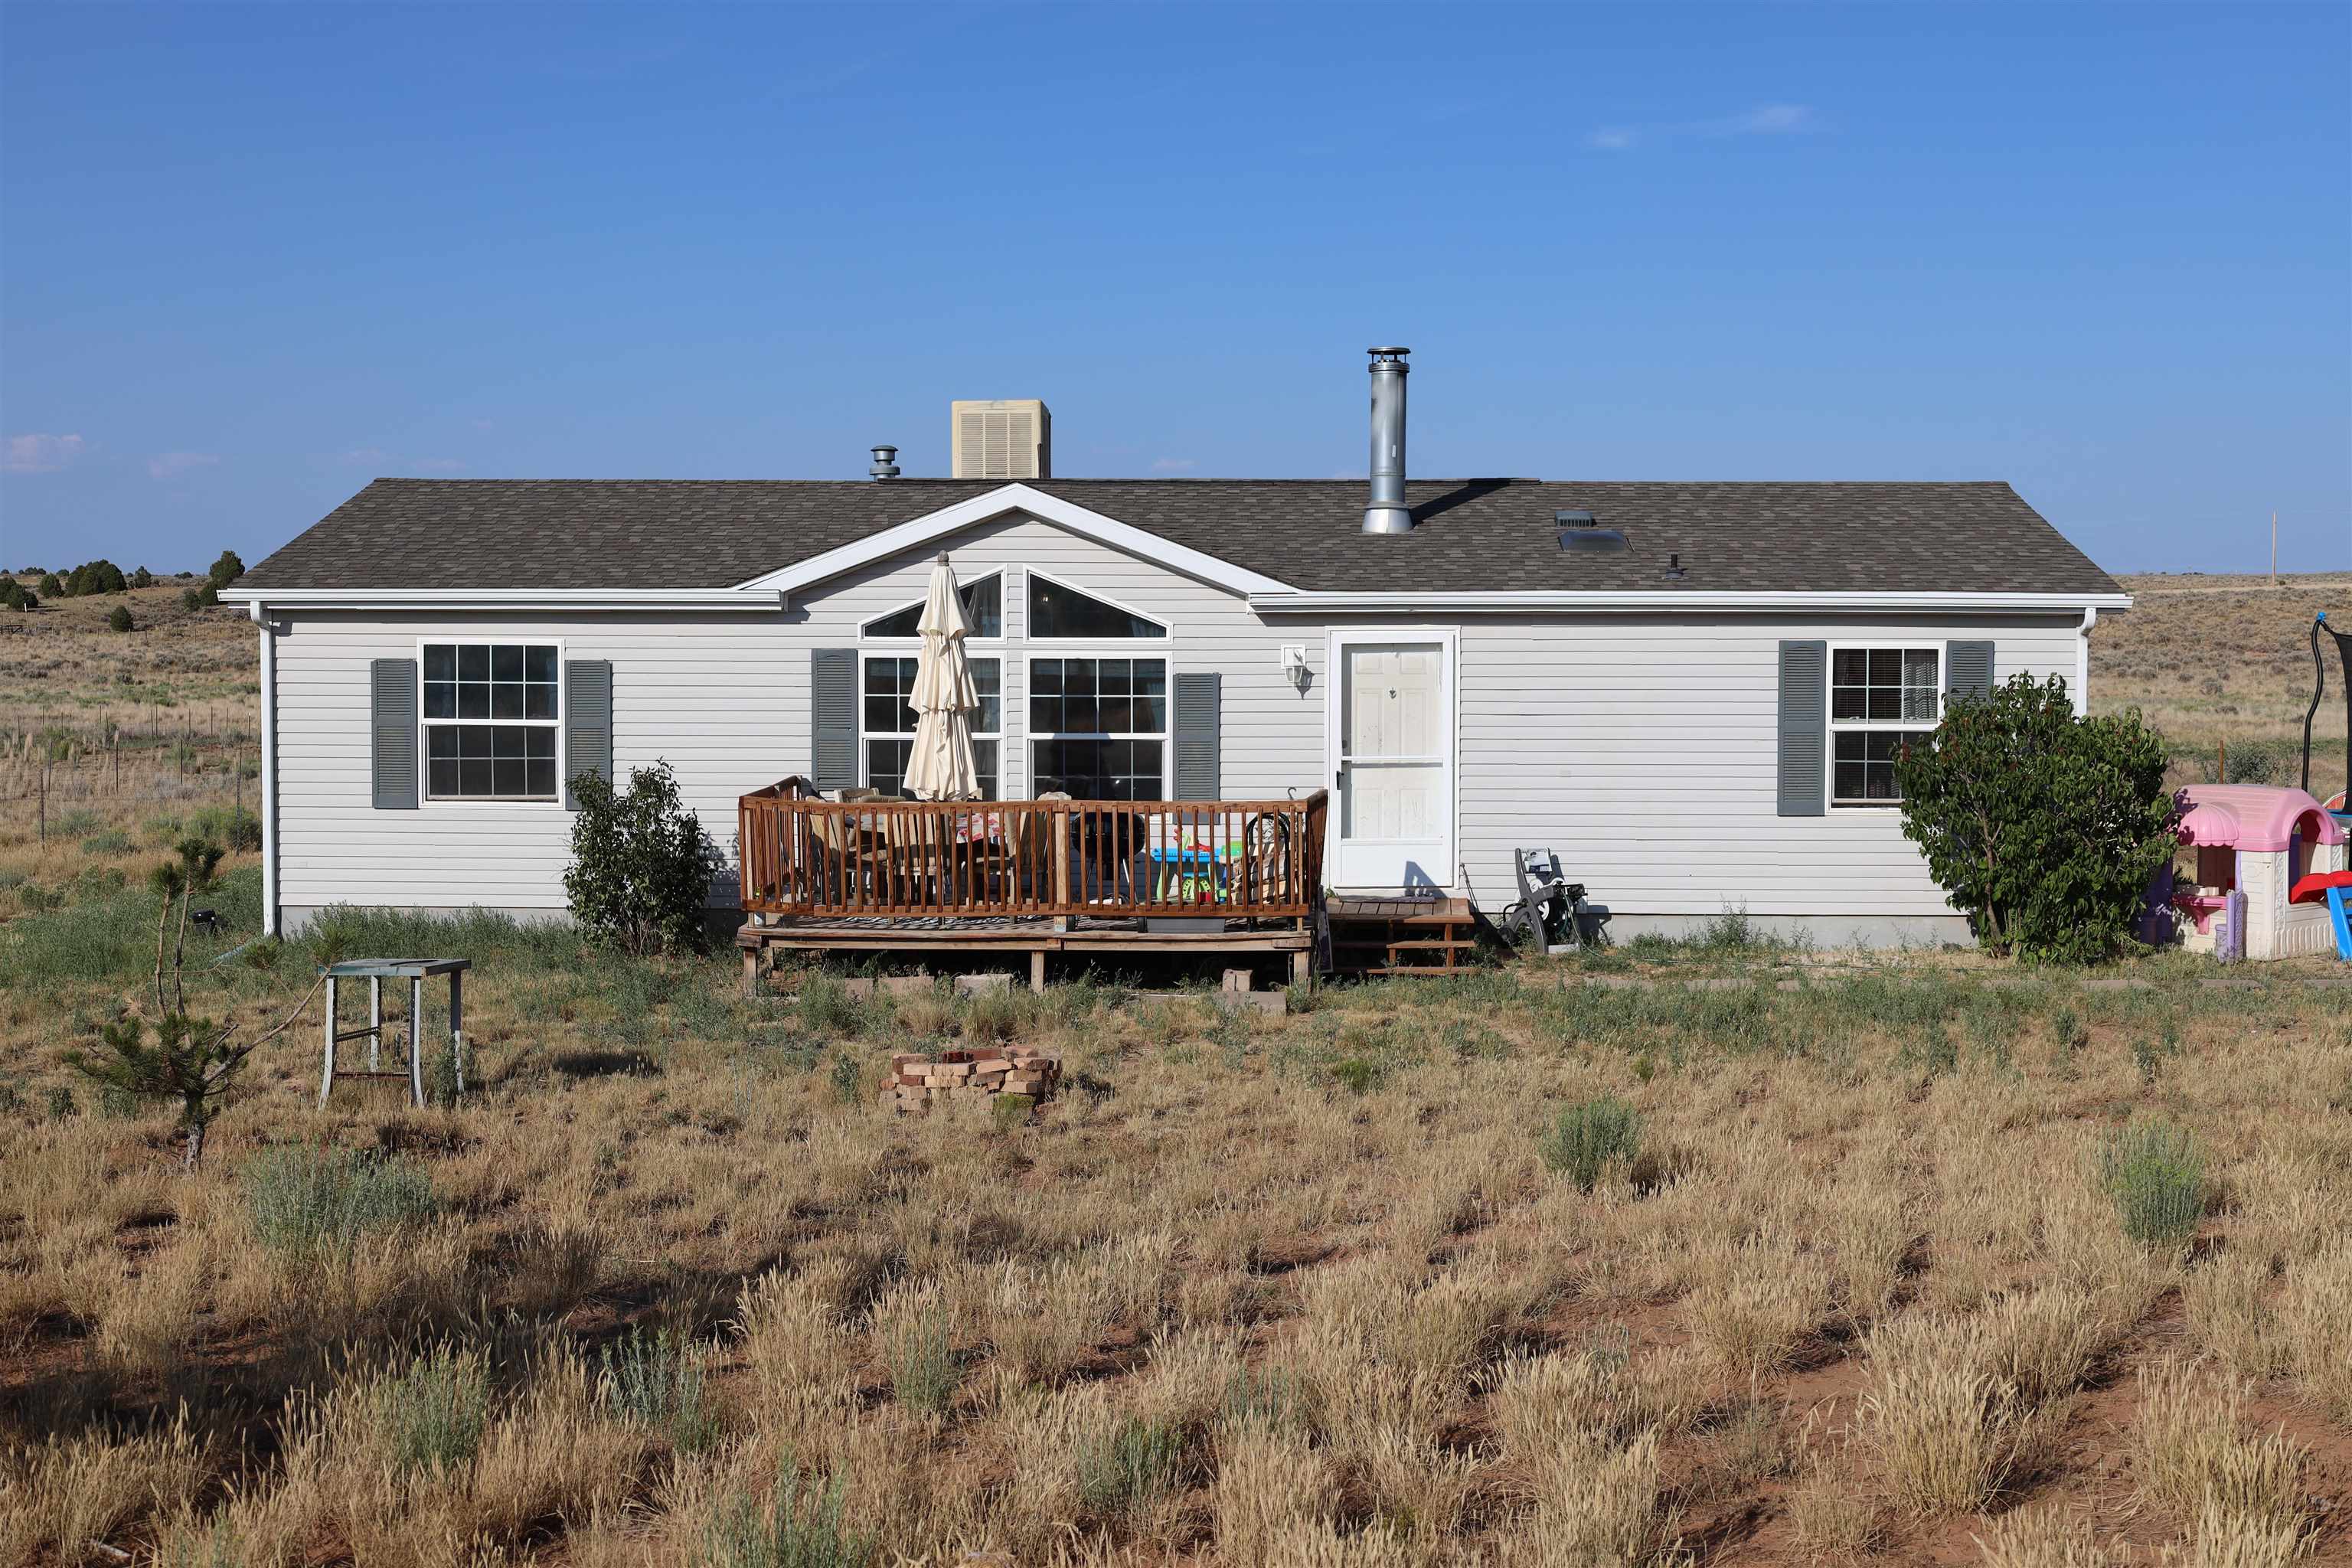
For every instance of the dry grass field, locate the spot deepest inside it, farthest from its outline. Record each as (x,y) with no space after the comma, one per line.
(2227,659)
(1715,1253)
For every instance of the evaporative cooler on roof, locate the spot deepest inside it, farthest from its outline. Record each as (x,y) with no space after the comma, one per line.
(1001,439)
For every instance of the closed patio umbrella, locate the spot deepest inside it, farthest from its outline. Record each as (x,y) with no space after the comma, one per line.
(941,766)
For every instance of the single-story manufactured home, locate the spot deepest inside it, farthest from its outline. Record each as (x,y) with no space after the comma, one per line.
(1694,693)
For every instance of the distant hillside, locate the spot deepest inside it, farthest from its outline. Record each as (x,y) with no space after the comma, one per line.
(2211,657)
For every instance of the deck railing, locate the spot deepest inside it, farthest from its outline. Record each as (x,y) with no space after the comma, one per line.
(1237,859)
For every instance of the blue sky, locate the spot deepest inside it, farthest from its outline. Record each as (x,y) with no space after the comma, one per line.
(252,257)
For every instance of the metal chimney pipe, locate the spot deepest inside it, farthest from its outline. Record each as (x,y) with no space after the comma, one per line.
(885,463)
(1388,513)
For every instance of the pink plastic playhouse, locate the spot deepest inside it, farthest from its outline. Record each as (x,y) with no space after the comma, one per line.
(2260,842)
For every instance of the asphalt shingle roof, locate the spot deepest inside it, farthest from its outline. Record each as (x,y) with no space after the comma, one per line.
(1470,535)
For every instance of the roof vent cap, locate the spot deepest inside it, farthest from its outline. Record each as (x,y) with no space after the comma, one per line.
(1581,533)
(885,463)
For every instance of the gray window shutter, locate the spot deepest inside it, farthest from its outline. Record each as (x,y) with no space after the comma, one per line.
(391,747)
(832,716)
(587,722)
(1804,728)
(1968,668)
(1197,743)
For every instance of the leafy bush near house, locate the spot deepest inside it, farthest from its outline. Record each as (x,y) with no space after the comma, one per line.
(640,876)
(2044,827)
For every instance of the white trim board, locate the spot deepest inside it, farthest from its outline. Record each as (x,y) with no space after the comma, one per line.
(1540,600)
(1016,497)
(616,601)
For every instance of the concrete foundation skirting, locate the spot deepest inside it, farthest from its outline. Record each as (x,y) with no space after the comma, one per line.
(1821,932)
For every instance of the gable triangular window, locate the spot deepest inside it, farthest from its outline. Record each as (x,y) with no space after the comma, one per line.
(984,611)
(1057,610)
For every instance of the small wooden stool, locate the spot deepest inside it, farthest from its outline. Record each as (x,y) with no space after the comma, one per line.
(375,971)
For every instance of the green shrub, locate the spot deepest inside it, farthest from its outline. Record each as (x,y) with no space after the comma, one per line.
(2046,828)
(656,1380)
(142,578)
(61,1105)
(202,596)
(801,1526)
(844,1077)
(226,569)
(119,619)
(50,588)
(312,1200)
(1588,1135)
(95,577)
(641,868)
(2156,1173)
(924,1371)
(1121,1471)
(110,841)
(1010,1112)
(1356,1074)
(238,829)
(430,1415)
(15,596)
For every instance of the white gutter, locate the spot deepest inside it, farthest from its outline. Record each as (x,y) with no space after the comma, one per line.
(616,601)
(1520,602)
(269,771)
(2082,662)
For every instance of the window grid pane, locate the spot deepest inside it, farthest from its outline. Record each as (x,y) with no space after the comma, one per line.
(1898,685)
(490,680)
(489,762)
(1863,771)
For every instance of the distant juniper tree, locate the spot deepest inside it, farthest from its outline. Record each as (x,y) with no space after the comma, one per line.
(178,1056)
(226,569)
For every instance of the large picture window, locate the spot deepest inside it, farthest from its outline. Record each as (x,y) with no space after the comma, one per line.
(1882,699)
(1098,727)
(490,715)
(888,725)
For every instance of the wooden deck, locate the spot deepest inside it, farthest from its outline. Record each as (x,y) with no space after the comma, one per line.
(1039,876)
(1038,938)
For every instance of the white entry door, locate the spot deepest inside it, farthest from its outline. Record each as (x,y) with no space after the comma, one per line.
(1389,734)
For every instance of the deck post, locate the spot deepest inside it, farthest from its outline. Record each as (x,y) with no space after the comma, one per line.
(1061,820)
(1302,966)
(457,1028)
(1037,970)
(327,1075)
(751,971)
(416,1042)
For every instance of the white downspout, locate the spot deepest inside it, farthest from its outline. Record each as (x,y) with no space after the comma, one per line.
(269,923)
(2082,662)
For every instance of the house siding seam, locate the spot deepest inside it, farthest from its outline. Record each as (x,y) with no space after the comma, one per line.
(1643,748)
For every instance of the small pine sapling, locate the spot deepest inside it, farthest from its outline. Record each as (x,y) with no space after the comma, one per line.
(181,1057)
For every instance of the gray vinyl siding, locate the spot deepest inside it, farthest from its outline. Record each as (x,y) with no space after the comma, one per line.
(1643,749)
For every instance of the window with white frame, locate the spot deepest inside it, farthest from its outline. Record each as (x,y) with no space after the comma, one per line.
(491,712)
(983,612)
(1882,700)
(887,724)
(1061,613)
(1098,727)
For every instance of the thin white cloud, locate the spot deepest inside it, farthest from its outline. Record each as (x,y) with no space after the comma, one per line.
(1173,465)
(175,465)
(1765,120)
(40,452)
